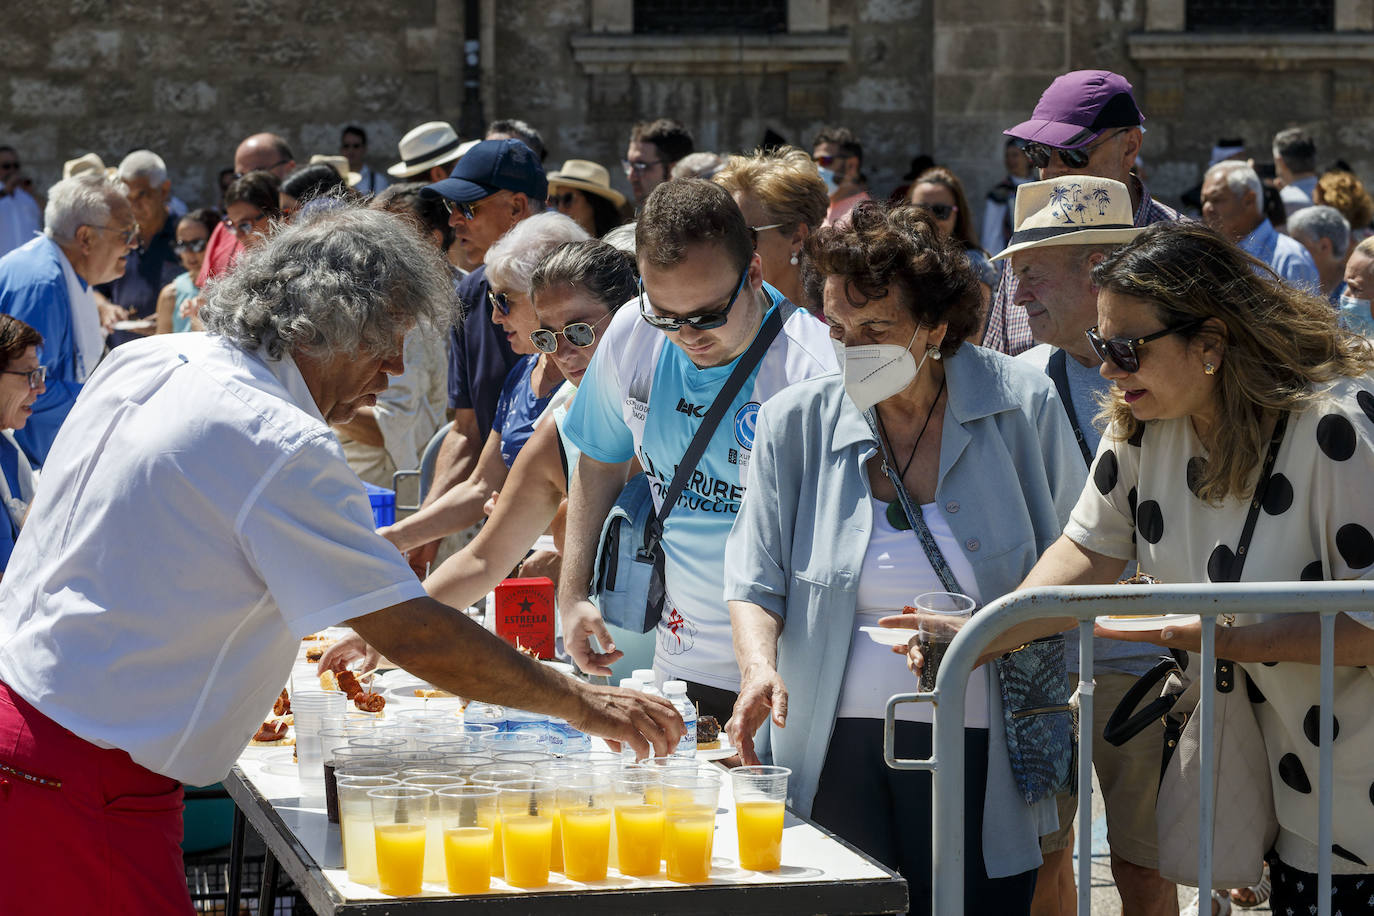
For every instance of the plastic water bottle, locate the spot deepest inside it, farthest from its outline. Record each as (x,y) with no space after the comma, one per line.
(676,693)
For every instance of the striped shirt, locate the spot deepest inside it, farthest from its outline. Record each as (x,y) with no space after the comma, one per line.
(1008,331)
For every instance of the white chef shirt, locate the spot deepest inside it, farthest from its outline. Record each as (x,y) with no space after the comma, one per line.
(194,520)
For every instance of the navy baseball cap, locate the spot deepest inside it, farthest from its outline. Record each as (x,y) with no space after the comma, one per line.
(492,166)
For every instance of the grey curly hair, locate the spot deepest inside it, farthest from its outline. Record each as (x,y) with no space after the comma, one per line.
(343,280)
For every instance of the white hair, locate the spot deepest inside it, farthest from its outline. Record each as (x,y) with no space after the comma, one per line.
(1240,177)
(1322,222)
(511,261)
(698,165)
(143,163)
(622,237)
(85,199)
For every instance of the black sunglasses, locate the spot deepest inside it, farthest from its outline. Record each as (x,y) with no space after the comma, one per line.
(939,211)
(1039,154)
(468,210)
(196,246)
(580,334)
(558,201)
(703,322)
(499,301)
(827,162)
(1122,352)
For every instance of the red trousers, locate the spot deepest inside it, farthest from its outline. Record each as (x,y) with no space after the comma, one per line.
(83,829)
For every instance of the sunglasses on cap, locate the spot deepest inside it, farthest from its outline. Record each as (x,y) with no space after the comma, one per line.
(1039,154)
(499,301)
(580,334)
(939,211)
(195,246)
(468,210)
(1121,351)
(703,322)
(36,377)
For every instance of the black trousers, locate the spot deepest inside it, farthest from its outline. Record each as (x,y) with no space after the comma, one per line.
(888,813)
(712,701)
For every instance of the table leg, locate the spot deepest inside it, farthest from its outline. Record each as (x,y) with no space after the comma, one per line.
(267,895)
(235,892)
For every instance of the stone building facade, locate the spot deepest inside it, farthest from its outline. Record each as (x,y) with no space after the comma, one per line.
(942,77)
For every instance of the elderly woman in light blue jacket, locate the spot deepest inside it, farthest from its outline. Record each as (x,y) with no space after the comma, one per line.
(823,545)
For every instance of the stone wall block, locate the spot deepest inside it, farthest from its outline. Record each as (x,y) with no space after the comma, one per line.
(422,48)
(259,15)
(35,143)
(1029,50)
(999,12)
(890,10)
(157,46)
(296,51)
(314,92)
(420,13)
(186,97)
(17,52)
(250,94)
(47,98)
(375,51)
(610,96)
(967,50)
(86,49)
(376,94)
(876,94)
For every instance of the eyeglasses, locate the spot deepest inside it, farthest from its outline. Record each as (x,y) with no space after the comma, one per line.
(469,211)
(9,166)
(939,211)
(629,166)
(703,322)
(559,201)
(1122,352)
(277,164)
(350,146)
(769,226)
(826,162)
(195,246)
(243,227)
(131,238)
(580,334)
(36,377)
(499,301)
(1039,153)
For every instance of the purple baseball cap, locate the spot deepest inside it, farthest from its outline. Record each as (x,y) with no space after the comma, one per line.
(1077,107)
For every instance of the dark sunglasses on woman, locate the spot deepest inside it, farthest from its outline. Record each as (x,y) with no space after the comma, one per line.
(580,334)
(939,211)
(498,301)
(1121,351)
(196,246)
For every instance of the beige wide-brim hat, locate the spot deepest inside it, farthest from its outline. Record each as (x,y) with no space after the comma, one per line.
(1071,210)
(87,163)
(340,165)
(586,175)
(422,148)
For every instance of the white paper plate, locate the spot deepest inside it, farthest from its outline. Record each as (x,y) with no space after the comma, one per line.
(280,762)
(135,324)
(1152,622)
(889,636)
(726,749)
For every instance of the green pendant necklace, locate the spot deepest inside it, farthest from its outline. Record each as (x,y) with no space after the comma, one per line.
(896,515)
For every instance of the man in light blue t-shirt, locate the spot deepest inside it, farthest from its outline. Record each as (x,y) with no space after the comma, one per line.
(644,396)
(1052,253)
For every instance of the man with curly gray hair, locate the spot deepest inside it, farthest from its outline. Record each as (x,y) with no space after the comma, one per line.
(196,520)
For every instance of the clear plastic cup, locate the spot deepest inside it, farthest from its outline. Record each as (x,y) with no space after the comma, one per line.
(497,773)
(381,742)
(406,771)
(585,812)
(689,809)
(477,729)
(639,820)
(470,818)
(512,741)
(942,614)
(535,759)
(355,825)
(415,758)
(373,766)
(467,764)
(400,816)
(760,794)
(527,815)
(435,872)
(411,733)
(449,743)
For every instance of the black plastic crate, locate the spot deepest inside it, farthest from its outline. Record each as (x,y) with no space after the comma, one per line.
(207,878)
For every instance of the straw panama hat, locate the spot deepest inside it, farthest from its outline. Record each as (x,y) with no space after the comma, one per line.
(338,164)
(87,163)
(422,148)
(587,176)
(1071,210)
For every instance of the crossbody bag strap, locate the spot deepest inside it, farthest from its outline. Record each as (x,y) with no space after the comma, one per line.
(914,516)
(1058,371)
(653,531)
(1261,489)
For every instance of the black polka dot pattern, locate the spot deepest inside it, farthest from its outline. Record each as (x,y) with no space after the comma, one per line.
(1253,692)
(1197,466)
(1341,851)
(1312,572)
(1312,723)
(1293,775)
(1131,498)
(1371,793)
(1149,521)
(1336,437)
(1366,402)
(1137,437)
(1221,564)
(1278,498)
(1106,473)
(1268,664)
(1355,545)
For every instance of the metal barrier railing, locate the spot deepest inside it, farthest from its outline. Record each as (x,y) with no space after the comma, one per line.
(1086,603)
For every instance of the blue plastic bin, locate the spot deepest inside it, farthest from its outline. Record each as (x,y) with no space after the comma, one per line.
(383,504)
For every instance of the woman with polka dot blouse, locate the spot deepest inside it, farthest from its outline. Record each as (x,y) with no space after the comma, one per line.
(1209,352)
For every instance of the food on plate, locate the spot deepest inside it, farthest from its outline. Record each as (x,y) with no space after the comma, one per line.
(369,702)
(315,652)
(708,733)
(1139,578)
(348,683)
(272,733)
(431,693)
(283,704)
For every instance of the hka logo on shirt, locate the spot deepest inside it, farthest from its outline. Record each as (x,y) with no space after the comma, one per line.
(692,410)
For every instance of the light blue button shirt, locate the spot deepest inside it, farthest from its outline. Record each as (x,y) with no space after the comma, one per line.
(1286,255)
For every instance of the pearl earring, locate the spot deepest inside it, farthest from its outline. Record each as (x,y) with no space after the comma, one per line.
(1209,369)
(933,353)
(794,260)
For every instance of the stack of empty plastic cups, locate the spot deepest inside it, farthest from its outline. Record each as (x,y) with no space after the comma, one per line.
(310,707)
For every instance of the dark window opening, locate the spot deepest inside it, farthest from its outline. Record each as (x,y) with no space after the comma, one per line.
(657,17)
(1261,15)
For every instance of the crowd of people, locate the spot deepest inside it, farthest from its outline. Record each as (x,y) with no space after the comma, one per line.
(1077,384)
